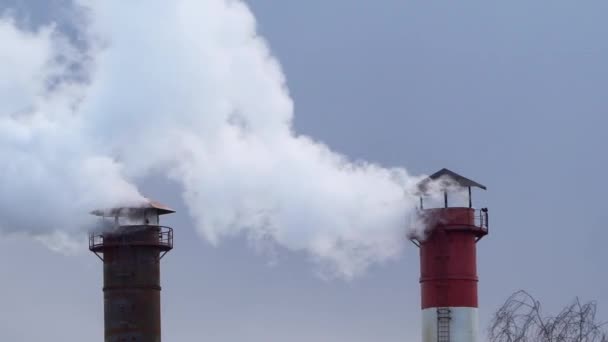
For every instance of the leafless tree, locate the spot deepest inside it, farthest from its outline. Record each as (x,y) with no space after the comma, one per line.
(521,319)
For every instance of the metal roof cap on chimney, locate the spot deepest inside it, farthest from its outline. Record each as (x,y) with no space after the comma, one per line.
(451,175)
(160,209)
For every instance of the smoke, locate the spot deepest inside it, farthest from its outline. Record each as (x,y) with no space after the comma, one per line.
(51,174)
(189,89)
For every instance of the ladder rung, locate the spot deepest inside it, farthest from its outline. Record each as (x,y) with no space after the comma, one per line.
(443,324)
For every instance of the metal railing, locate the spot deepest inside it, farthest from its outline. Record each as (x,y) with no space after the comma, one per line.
(123,237)
(482,218)
(419,224)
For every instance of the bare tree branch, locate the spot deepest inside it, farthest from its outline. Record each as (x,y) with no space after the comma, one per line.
(520,319)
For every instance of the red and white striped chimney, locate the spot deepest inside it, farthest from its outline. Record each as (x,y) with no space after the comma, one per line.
(448,263)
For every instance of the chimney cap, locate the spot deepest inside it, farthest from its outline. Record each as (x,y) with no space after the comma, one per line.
(451,175)
(160,209)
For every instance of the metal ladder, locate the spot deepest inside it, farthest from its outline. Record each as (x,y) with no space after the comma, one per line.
(443,324)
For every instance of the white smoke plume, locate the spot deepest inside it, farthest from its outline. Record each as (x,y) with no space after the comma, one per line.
(187,88)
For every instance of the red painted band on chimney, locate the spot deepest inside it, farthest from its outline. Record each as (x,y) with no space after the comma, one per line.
(448,261)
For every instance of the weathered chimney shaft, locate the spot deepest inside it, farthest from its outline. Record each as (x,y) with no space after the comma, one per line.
(131,261)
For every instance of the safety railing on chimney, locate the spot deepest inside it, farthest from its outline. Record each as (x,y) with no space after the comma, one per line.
(125,236)
(482,221)
(482,218)
(465,218)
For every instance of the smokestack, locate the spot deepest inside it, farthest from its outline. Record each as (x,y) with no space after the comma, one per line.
(131,245)
(448,265)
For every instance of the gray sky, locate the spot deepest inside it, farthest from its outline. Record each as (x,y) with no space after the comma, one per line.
(511,94)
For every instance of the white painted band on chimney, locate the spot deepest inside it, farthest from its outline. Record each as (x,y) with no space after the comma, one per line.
(463,325)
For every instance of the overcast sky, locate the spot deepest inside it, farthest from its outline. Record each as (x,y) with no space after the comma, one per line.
(511,94)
